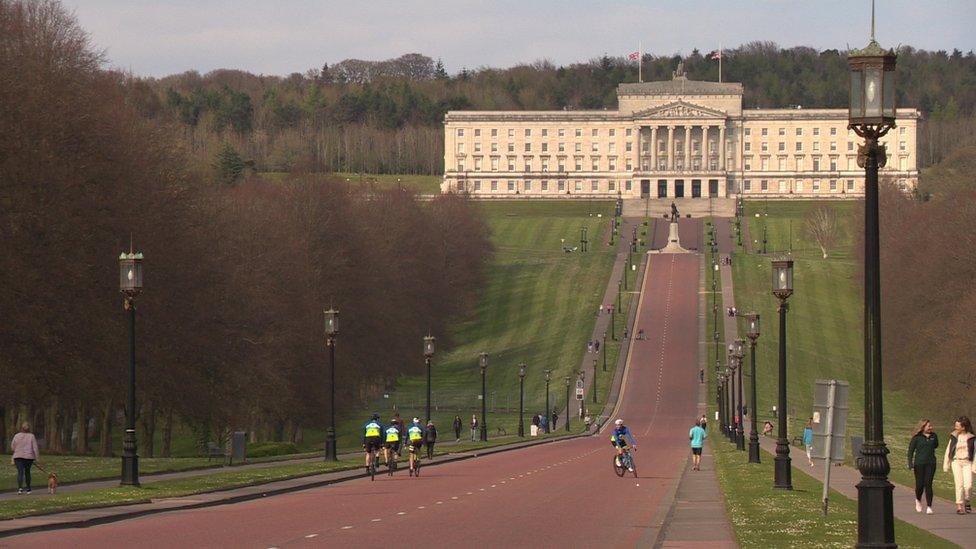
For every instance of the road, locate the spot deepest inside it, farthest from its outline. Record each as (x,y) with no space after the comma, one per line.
(558,494)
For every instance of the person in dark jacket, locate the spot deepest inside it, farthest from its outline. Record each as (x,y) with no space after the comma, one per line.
(457,428)
(430,437)
(921,459)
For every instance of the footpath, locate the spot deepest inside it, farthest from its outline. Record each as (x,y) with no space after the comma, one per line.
(945,523)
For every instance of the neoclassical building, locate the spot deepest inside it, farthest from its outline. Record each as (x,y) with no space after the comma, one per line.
(668,139)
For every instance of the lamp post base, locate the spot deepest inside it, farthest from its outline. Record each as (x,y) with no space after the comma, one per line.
(484,433)
(875,510)
(754,448)
(521,431)
(740,439)
(330,445)
(783,474)
(130,460)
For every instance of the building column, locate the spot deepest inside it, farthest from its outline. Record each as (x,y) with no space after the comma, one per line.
(721,147)
(670,148)
(640,139)
(670,188)
(704,151)
(687,159)
(653,148)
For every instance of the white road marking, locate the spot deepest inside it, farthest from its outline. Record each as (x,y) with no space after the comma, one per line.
(347,527)
(421,507)
(402,513)
(376,520)
(311,535)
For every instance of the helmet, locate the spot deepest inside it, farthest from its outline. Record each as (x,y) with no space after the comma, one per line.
(376,416)
(619,422)
(416,420)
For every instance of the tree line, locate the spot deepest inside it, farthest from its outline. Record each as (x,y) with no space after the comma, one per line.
(386,116)
(238,270)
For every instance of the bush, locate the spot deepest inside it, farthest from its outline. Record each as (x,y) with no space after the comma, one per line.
(264,449)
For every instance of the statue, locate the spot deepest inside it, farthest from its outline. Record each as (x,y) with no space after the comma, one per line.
(679,73)
(674,213)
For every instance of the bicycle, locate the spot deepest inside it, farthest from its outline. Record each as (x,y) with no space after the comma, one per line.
(415,468)
(626,462)
(391,463)
(372,465)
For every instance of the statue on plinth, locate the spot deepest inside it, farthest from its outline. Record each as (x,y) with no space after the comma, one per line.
(674,213)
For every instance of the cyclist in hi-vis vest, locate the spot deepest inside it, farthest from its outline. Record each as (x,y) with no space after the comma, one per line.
(391,439)
(617,438)
(372,437)
(415,434)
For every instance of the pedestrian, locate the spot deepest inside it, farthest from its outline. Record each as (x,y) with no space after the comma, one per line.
(430,438)
(544,421)
(457,428)
(555,418)
(701,375)
(601,308)
(959,457)
(808,440)
(596,346)
(921,459)
(474,427)
(697,435)
(703,421)
(589,346)
(626,333)
(588,421)
(640,333)
(767,428)
(536,420)
(25,453)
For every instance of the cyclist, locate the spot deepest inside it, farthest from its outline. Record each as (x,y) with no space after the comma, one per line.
(617,439)
(392,442)
(372,437)
(415,435)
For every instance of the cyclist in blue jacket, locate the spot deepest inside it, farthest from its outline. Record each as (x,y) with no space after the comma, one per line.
(372,437)
(618,439)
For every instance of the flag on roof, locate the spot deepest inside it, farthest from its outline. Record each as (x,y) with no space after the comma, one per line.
(717,54)
(634,56)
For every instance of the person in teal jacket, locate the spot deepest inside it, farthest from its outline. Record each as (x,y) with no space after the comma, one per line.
(808,440)
(697,435)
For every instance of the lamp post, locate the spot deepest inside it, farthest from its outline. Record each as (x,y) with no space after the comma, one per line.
(729,403)
(626,268)
(521,374)
(737,355)
(753,335)
(483,364)
(721,400)
(548,411)
(428,354)
(604,351)
(567,404)
(130,285)
(594,380)
(331,330)
(782,289)
(871,116)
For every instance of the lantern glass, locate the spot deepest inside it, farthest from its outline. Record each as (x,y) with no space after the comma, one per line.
(888,93)
(130,272)
(753,325)
(521,370)
(429,346)
(857,94)
(783,277)
(872,92)
(483,360)
(548,374)
(331,322)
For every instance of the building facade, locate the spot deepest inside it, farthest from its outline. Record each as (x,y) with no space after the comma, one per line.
(667,139)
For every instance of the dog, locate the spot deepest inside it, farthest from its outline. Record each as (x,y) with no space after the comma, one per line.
(52,483)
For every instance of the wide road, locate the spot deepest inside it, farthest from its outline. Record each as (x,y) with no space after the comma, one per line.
(559,494)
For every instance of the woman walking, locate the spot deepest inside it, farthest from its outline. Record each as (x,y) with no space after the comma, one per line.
(25,453)
(921,459)
(808,440)
(430,437)
(457,428)
(959,457)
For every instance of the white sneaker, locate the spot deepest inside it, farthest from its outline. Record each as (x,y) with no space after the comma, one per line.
(929,511)
(617,462)
(631,469)
(918,506)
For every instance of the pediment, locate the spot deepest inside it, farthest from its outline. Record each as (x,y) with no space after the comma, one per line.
(679,109)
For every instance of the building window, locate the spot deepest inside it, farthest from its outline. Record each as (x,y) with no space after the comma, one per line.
(578,147)
(562,132)
(477,164)
(511,163)
(799,146)
(528,132)
(579,164)
(460,148)
(833,185)
(594,147)
(494,165)
(764,146)
(833,163)
(494,147)
(747,185)
(511,147)
(612,148)
(545,147)
(579,132)
(833,146)
(850,146)
(629,147)
(527,185)
(562,147)
(902,163)
(901,130)
(595,164)
(816,185)
(782,146)
(816,132)
(612,163)
(578,185)
(748,132)
(630,165)
(594,185)
(748,146)
(612,185)
(799,163)
(833,131)
(765,163)
(561,185)
(781,161)
(477,132)
(511,186)
(594,132)
(477,146)
(782,131)
(561,164)
(528,147)
(765,132)
(494,186)
(612,132)
(460,132)
(511,132)
(763,185)
(799,132)
(799,186)
(545,132)
(816,146)
(851,163)
(747,163)
(850,184)
(902,146)
(816,163)
(545,185)
(545,164)
(460,164)
(477,185)
(528,163)
(629,185)
(629,132)
(494,132)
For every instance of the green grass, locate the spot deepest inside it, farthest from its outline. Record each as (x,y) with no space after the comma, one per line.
(763,517)
(824,330)
(73,469)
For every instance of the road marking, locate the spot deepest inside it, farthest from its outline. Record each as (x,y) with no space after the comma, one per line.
(470,493)
(493,485)
(311,535)
(402,513)
(439,502)
(453,497)
(376,520)
(422,507)
(347,527)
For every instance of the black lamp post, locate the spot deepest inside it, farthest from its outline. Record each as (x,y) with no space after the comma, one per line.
(871,116)
(594,380)
(483,364)
(753,335)
(729,402)
(626,268)
(130,285)
(737,355)
(331,331)
(521,374)
(604,351)
(567,404)
(721,401)
(428,354)
(548,411)
(782,289)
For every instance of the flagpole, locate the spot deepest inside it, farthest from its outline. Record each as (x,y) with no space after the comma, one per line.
(640,62)
(720,62)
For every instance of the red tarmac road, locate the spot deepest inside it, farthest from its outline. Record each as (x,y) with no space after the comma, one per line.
(559,494)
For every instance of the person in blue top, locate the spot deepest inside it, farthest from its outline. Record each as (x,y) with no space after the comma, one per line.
(808,440)
(618,439)
(415,437)
(697,435)
(372,437)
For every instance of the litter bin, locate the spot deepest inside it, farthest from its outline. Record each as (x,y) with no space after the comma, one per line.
(533,430)
(856,443)
(238,447)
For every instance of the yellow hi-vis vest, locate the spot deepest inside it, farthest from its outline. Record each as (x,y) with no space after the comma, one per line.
(416,433)
(392,434)
(373,429)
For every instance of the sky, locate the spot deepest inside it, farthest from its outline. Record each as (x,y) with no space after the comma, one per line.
(279,37)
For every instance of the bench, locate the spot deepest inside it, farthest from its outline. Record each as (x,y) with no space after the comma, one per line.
(215,450)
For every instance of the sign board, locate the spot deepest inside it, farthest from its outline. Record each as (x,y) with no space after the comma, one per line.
(822,420)
(579,393)
(579,385)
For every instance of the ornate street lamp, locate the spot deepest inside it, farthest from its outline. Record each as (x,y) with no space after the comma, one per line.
(737,355)
(782,289)
(871,116)
(567,404)
(753,335)
(729,402)
(130,285)
(483,364)
(428,354)
(521,374)
(331,331)
(548,411)
(594,378)
(721,400)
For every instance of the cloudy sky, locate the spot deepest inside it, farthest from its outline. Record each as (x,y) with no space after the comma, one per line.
(160,37)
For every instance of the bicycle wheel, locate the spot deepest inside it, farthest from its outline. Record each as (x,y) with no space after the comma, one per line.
(372,466)
(630,462)
(619,469)
(416,467)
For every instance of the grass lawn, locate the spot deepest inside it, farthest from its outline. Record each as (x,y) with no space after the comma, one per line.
(824,331)
(763,517)
(423,184)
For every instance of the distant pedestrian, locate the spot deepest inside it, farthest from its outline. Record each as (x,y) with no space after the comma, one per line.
(596,346)
(25,454)
(767,428)
(544,421)
(555,418)
(808,440)
(587,421)
(430,438)
(703,421)
(536,420)
(457,427)
(474,427)
(697,436)
(640,334)
(589,346)
(601,308)
(701,375)
(959,458)
(626,333)
(921,459)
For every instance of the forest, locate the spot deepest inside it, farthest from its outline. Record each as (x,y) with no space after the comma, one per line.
(386,116)
(238,272)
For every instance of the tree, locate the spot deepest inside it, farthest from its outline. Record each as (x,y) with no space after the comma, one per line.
(439,72)
(229,164)
(822,227)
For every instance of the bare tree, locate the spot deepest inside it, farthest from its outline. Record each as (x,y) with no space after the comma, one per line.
(822,227)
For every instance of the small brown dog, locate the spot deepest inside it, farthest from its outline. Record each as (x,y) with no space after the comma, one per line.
(52,483)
